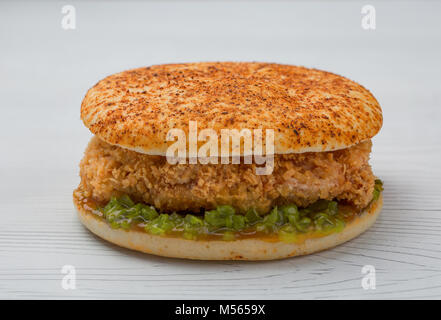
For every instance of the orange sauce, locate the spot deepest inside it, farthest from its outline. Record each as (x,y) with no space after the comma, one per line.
(91,207)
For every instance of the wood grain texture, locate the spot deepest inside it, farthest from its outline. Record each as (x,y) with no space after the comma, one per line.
(45,72)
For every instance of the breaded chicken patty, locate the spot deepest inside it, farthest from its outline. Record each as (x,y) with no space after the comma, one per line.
(298,178)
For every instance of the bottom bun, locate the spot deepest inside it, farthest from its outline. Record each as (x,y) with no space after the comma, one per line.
(243,249)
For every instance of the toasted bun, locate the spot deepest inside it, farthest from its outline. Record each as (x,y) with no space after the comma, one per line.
(309,110)
(248,249)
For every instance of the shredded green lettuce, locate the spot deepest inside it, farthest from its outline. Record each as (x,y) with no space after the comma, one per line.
(377,189)
(287,221)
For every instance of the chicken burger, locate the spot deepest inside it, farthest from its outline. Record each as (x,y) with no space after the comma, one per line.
(310,130)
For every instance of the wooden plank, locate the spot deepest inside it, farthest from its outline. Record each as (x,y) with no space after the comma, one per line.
(46,71)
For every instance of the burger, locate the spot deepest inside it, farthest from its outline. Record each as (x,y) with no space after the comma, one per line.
(310,130)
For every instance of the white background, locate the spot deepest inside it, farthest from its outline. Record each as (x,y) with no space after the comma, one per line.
(45,72)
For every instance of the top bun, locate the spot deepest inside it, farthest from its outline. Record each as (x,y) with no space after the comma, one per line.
(308,109)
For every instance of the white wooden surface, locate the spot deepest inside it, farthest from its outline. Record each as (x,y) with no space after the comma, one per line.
(45,71)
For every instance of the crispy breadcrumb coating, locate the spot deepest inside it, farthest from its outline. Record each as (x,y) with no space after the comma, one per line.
(302,179)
